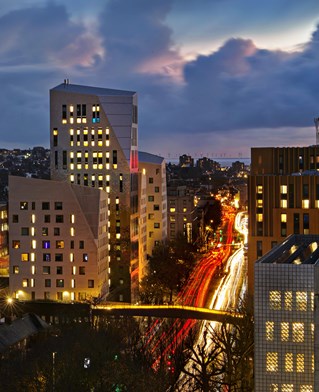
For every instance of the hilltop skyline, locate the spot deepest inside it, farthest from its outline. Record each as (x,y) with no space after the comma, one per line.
(213,78)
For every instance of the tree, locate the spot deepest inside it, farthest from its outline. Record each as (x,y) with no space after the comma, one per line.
(223,358)
(169,267)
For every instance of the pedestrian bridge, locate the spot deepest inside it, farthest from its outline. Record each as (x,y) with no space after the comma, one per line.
(167,311)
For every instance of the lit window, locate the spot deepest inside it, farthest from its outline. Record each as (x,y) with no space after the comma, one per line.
(289,362)
(45,244)
(15,269)
(275,300)
(305,204)
(33,244)
(272,362)
(25,282)
(71,257)
(288,300)
(283,218)
(60,244)
(72,232)
(270,330)
(283,204)
(312,296)
(32,218)
(284,331)
(274,388)
(300,363)
(306,388)
(32,257)
(15,244)
(172,209)
(259,189)
(287,388)
(301,300)
(283,189)
(73,283)
(24,256)
(298,332)
(259,217)
(32,231)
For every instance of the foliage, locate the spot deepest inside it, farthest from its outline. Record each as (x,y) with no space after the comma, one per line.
(116,361)
(169,267)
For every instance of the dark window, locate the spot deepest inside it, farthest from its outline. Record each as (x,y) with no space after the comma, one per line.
(58,205)
(56,159)
(59,257)
(46,270)
(47,218)
(45,205)
(82,270)
(56,231)
(33,205)
(150,198)
(156,207)
(296,224)
(121,182)
(23,205)
(81,244)
(114,154)
(259,228)
(59,218)
(64,116)
(306,223)
(15,218)
(156,189)
(305,191)
(64,159)
(46,256)
(59,270)
(259,245)
(90,283)
(47,283)
(151,180)
(317,191)
(24,231)
(60,283)
(83,110)
(72,244)
(78,110)
(283,229)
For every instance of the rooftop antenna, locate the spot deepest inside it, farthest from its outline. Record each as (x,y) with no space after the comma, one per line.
(316,120)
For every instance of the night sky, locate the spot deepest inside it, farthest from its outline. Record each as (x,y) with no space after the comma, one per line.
(214,77)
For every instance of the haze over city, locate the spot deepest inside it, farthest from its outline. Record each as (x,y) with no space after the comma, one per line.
(213,78)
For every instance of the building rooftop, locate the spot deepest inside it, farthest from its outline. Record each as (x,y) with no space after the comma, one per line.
(20,329)
(100,91)
(149,158)
(296,249)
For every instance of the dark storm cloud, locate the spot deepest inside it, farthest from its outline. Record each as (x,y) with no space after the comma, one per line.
(130,46)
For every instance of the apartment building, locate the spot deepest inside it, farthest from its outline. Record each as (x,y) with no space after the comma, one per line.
(286,317)
(283,190)
(154,169)
(93,136)
(58,240)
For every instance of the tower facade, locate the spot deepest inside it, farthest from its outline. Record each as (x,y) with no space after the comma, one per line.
(283,198)
(93,140)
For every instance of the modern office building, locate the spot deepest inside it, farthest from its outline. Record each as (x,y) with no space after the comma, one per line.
(154,168)
(286,317)
(283,190)
(93,135)
(58,240)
